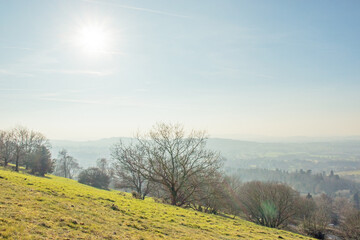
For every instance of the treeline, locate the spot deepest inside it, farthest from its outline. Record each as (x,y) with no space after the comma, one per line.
(23,147)
(304,181)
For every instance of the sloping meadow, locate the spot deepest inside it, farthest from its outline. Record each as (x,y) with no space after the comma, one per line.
(58,208)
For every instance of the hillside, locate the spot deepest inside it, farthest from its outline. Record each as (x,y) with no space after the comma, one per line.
(58,208)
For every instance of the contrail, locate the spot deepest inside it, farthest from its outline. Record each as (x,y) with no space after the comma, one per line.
(138,9)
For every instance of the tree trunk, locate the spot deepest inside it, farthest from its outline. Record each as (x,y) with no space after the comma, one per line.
(173,197)
(65,172)
(17,164)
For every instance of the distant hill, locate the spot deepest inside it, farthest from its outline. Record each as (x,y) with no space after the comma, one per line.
(86,152)
(58,208)
(337,154)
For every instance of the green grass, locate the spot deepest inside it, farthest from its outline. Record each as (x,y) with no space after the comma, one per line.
(58,208)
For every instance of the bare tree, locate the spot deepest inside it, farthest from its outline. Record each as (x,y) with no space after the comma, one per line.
(179,162)
(268,204)
(356,200)
(210,196)
(104,165)
(66,165)
(350,228)
(34,141)
(6,146)
(19,135)
(2,144)
(127,168)
(232,187)
(316,217)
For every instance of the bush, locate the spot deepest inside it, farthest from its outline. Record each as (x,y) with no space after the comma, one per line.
(317,215)
(351,226)
(136,195)
(268,204)
(95,178)
(315,224)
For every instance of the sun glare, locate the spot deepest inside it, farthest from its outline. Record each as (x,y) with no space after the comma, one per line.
(93,39)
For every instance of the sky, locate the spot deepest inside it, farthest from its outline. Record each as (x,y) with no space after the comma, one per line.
(90,69)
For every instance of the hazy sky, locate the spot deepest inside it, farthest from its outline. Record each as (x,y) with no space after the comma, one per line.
(234,68)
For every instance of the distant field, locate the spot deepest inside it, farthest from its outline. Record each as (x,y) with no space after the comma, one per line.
(352,175)
(58,208)
(290,156)
(348,173)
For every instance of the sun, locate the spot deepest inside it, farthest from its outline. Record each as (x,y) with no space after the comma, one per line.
(93,38)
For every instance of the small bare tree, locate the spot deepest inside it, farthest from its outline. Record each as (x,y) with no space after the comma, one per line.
(66,165)
(19,139)
(232,187)
(6,147)
(316,218)
(350,228)
(127,168)
(210,196)
(104,165)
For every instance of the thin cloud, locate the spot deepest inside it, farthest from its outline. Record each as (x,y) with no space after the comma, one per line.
(75,72)
(20,48)
(17,89)
(112,52)
(141,90)
(62,94)
(262,75)
(14,73)
(116,102)
(4,71)
(234,72)
(60,71)
(138,9)
(68,100)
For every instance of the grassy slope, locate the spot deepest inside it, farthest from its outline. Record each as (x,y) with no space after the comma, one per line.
(58,208)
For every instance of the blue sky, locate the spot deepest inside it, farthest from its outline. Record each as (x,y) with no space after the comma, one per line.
(234,68)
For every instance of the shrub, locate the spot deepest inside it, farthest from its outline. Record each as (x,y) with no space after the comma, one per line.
(317,216)
(40,161)
(268,204)
(315,224)
(95,178)
(351,226)
(136,195)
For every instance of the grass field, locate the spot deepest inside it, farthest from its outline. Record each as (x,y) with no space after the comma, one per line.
(58,208)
